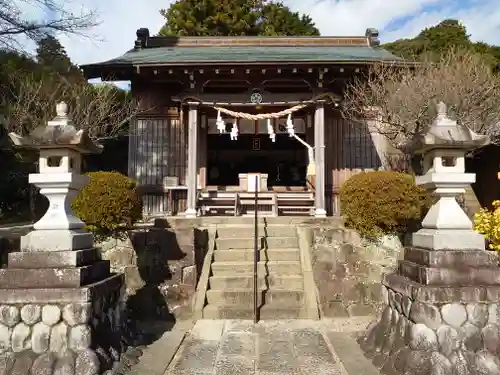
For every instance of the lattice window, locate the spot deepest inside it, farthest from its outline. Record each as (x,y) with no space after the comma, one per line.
(358,149)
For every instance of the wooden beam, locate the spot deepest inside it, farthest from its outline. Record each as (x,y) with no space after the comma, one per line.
(270,99)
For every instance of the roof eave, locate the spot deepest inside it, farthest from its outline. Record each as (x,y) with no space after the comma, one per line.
(96,70)
(281,62)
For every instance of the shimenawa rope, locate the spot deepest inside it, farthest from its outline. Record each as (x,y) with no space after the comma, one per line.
(264,116)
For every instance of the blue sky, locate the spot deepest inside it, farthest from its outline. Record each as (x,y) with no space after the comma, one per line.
(395,19)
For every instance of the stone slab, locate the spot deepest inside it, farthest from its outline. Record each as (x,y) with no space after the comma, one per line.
(449,276)
(291,347)
(350,354)
(451,258)
(441,294)
(53,277)
(158,355)
(206,330)
(194,357)
(309,342)
(60,295)
(448,239)
(276,354)
(53,259)
(57,240)
(234,364)
(238,344)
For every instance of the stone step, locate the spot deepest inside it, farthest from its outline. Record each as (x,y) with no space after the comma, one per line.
(248,255)
(281,231)
(267,312)
(248,243)
(237,243)
(275,282)
(245,297)
(273,267)
(248,231)
(282,242)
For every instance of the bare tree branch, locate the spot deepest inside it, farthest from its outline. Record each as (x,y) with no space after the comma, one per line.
(404,99)
(103,110)
(16,19)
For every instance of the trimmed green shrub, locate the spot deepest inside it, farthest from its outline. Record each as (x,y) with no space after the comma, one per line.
(108,204)
(383,202)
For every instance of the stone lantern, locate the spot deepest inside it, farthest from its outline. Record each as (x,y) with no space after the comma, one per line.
(446,225)
(61,148)
(440,306)
(60,306)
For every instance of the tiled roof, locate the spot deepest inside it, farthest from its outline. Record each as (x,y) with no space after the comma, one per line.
(250,54)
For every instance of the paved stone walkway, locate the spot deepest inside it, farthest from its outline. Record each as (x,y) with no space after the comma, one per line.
(295,347)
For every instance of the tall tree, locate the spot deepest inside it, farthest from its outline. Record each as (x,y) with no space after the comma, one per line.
(16,19)
(50,52)
(234,17)
(52,56)
(432,42)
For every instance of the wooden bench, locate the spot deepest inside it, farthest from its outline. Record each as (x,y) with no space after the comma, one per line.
(218,203)
(295,203)
(266,204)
(269,203)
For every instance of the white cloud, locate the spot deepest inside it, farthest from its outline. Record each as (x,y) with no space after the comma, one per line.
(394,19)
(116,32)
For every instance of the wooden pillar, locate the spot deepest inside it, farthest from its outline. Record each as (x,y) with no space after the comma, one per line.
(319,155)
(202,152)
(192,169)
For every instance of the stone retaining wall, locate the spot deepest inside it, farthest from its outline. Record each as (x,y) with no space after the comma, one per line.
(161,268)
(348,270)
(61,339)
(438,335)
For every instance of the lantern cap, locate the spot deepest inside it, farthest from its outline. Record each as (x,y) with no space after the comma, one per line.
(59,133)
(446,133)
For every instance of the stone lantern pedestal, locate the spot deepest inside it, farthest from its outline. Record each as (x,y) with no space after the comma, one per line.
(60,309)
(441,307)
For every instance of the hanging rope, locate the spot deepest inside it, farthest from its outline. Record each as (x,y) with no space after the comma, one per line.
(264,116)
(261,116)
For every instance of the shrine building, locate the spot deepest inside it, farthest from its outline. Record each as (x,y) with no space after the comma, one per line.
(223,116)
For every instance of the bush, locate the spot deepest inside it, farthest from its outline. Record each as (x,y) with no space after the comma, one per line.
(383,202)
(109,204)
(488,223)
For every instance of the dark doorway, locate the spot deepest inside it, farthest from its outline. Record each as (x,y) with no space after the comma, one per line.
(285,161)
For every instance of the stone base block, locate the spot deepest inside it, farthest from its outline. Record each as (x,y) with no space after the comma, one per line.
(57,240)
(69,277)
(61,331)
(55,259)
(451,258)
(450,276)
(417,336)
(448,239)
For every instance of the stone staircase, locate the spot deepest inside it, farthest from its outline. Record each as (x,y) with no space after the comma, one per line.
(281,292)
